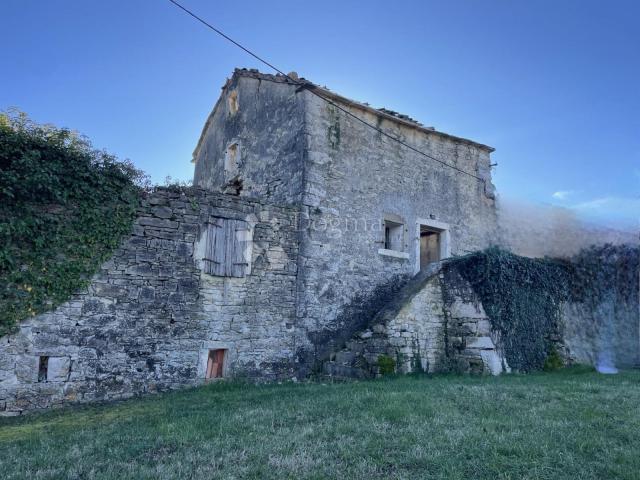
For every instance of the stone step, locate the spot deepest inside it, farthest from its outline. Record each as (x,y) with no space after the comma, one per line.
(345,357)
(336,370)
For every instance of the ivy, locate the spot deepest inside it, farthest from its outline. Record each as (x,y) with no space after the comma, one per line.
(65,208)
(523,297)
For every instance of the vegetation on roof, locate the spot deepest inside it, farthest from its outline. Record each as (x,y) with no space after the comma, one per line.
(65,207)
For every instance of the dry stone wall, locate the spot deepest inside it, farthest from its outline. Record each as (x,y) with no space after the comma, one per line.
(150,316)
(429,327)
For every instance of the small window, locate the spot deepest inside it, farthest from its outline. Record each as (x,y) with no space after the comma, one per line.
(232,101)
(231,158)
(215,364)
(393,236)
(43,368)
(229,247)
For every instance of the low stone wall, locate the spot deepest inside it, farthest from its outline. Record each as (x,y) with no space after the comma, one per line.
(430,326)
(150,316)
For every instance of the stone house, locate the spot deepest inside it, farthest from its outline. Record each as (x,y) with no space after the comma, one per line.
(292,254)
(373,212)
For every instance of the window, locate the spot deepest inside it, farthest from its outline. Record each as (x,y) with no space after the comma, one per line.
(231,158)
(43,367)
(215,364)
(228,248)
(232,102)
(393,235)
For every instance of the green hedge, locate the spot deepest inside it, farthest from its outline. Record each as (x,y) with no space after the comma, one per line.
(65,207)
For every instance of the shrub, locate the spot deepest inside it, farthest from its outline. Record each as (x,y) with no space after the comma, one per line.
(386,365)
(65,208)
(553,361)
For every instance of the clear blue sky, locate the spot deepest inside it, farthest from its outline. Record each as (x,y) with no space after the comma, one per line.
(554,86)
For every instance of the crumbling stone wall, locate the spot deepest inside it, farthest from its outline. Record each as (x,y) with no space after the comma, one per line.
(268,128)
(150,316)
(433,325)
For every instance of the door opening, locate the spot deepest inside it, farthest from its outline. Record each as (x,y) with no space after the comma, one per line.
(215,364)
(429,247)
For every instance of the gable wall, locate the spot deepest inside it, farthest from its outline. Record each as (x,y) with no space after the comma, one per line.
(269,128)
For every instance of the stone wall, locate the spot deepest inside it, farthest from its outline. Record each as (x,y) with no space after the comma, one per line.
(430,326)
(150,316)
(268,128)
(608,336)
(355,178)
(346,178)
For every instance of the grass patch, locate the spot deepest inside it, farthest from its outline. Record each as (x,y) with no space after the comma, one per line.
(570,424)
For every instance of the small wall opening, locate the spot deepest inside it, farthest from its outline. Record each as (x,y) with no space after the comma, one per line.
(429,247)
(432,244)
(232,101)
(231,158)
(393,236)
(43,368)
(215,364)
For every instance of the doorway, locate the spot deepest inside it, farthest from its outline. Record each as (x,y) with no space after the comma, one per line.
(429,247)
(432,243)
(215,364)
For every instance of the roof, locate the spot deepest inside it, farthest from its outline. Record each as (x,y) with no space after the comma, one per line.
(396,117)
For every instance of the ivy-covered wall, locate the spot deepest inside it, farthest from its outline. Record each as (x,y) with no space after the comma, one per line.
(493,311)
(149,317)
(584,308)
(65,208)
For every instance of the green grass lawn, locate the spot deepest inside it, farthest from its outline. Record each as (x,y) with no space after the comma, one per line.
(572,424)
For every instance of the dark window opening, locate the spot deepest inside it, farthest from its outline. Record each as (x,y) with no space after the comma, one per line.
(215,364)
(393,236)
(43,367)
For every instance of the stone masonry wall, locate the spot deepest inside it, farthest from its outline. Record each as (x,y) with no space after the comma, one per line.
(355,178)
(296,148)
(268,128)
(429,327)
(150,316)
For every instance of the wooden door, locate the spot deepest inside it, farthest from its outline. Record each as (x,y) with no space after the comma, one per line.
(215,364)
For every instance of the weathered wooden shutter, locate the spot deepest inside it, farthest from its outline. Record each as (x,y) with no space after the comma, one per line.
(215,364)
(241,252)
(214,258)
(228,248)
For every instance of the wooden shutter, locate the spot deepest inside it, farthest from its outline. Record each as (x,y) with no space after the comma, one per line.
(215,364)
(228,249)
(215,249)
(241,252)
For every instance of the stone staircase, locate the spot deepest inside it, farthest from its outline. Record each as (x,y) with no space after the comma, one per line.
(435,323)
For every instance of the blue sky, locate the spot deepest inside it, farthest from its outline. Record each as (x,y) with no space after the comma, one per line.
(552,85)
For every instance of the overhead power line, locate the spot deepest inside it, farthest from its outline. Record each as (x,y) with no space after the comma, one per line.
(311,88)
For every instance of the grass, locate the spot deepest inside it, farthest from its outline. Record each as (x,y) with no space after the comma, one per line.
(571,424)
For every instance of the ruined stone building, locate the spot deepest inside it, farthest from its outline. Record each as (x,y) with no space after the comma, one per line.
(290,256)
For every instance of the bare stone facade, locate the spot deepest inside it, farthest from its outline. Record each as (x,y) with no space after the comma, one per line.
(430,326)
(352,186)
